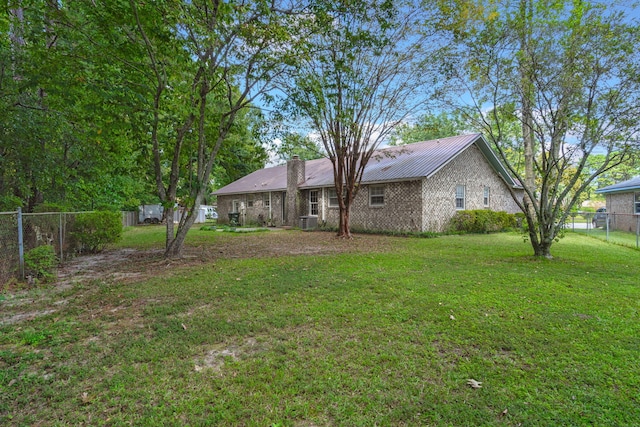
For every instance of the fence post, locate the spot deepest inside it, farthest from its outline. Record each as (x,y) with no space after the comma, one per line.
(60,237)
(20,244)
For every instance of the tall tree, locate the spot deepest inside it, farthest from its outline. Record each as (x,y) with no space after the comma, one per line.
(244,150)
(567,71)
(190,69)
(621,172)
(295,144)
(364,75)
(57,144)
(429,127)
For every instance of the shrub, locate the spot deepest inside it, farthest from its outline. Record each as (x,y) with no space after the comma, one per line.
(40,263)
(92,231)
(50,207)
(481,221)
(9,203)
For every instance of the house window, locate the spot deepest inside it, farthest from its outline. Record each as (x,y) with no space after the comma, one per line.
(460,197)
(637,203)
(313,202)
(266,202)
(333,198)
(250,201)
(486,197)
(376,196)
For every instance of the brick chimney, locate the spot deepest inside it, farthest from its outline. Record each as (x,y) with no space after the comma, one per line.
(295,177)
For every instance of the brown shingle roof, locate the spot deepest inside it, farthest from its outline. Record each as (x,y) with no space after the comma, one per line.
(412,161)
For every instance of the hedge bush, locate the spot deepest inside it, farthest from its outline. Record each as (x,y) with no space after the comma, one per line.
(40,263)
(481,221)
(92,231)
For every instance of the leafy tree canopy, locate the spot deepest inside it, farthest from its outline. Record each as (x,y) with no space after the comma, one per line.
(428,127)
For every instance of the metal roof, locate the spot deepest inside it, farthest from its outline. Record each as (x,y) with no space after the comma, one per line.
(401,163)
(268,179)
(624,186)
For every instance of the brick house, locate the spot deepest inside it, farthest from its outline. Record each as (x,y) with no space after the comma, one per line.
(416,187)
(623,204)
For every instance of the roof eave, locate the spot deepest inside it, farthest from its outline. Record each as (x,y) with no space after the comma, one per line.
(232,193)
(491,157)
(618,190)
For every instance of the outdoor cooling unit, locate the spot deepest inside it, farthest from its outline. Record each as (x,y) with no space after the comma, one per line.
(308,222)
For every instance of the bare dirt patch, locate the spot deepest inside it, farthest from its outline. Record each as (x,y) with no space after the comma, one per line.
(215,357)
(134,265)
(114,264)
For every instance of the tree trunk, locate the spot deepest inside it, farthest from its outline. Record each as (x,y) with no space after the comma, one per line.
(344,230)
(527,119)
(174,248)
(168,216)
(542,248)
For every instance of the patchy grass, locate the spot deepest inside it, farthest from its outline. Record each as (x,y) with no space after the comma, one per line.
(378,331)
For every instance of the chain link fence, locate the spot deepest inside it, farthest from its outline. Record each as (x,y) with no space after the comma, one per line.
(9,247)
(623,229)
(23,232)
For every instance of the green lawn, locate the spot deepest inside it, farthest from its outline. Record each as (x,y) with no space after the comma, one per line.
(614,236)
(383,337)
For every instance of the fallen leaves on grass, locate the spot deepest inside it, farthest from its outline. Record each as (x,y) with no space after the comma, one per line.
(473,383)
(86,399)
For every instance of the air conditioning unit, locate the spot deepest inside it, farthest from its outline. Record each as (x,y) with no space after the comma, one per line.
(308,222)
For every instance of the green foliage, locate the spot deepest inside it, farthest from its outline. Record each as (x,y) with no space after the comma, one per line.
(40,263)
(299,145)
(51,207)
(33,337)
(550,84)
(9,203)
(243,151)
(92,231)
(429,127)
(481,221)
(619,173)
(366,74)
(64,111)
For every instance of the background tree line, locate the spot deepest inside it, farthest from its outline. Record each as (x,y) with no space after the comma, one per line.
(77,107)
